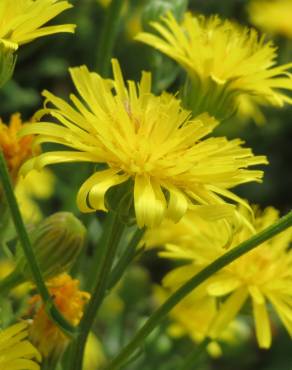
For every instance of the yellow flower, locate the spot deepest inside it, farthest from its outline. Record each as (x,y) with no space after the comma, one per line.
(16,150)
(262,276)
(15,351)
(250,108)
(37,185)
(94,357)
(148,141)
(47,337)
(6,267)
(223,60)
(272,16)
(22,20)
(194,314)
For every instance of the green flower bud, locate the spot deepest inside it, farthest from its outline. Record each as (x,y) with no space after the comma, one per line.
(57,241)
(157,8)
(7,62)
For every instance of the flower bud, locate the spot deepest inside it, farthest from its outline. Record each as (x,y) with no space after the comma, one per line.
(57,242)
(7,62)
(157,8)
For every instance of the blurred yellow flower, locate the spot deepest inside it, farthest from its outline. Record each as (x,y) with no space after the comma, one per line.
(94,357)
(43,333)
(148,141)
(250,108)
(22,20)
(104,3)
(6,267)
(223,60)
(37,185)
(16,352)
(16,150)
(272,16)
(194,314)
(263,275)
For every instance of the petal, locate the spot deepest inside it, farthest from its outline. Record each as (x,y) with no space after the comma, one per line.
(55,157)
(223,287)
(256,294)
(119,81)
(150,203)
(91,194)
(262,324)
(228,311)
(177,204)
(283,310)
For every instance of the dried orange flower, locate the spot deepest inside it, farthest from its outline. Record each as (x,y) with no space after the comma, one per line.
(70,301)
(16,150)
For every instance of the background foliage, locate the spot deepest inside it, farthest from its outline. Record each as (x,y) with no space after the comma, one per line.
(44,64)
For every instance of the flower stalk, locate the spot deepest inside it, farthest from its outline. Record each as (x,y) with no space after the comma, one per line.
(158,316)
(113,235)
(108,36)
(51,309)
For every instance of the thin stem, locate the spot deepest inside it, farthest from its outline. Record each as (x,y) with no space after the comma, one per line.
(194,355)
(126,258)
(156,318)
(115,231)
(50,307)
(108,36)
(98,253)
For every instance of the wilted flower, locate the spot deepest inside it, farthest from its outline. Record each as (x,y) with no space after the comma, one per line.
(15,149)
(70,301)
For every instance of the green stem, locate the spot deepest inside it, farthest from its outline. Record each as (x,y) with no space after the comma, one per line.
(194,355)
(156,318)
(115,231)
(98,253)
(126,258)
(51,309)
(108,36)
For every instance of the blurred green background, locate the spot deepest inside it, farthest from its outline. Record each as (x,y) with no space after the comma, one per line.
(44,64)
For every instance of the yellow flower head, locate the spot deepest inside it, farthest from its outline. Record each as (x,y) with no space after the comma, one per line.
(16,150)
(193,315)
(16,352)
(272,16)
(222,58)
(21,21)
(45,335)
(262,275)
(148,141)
